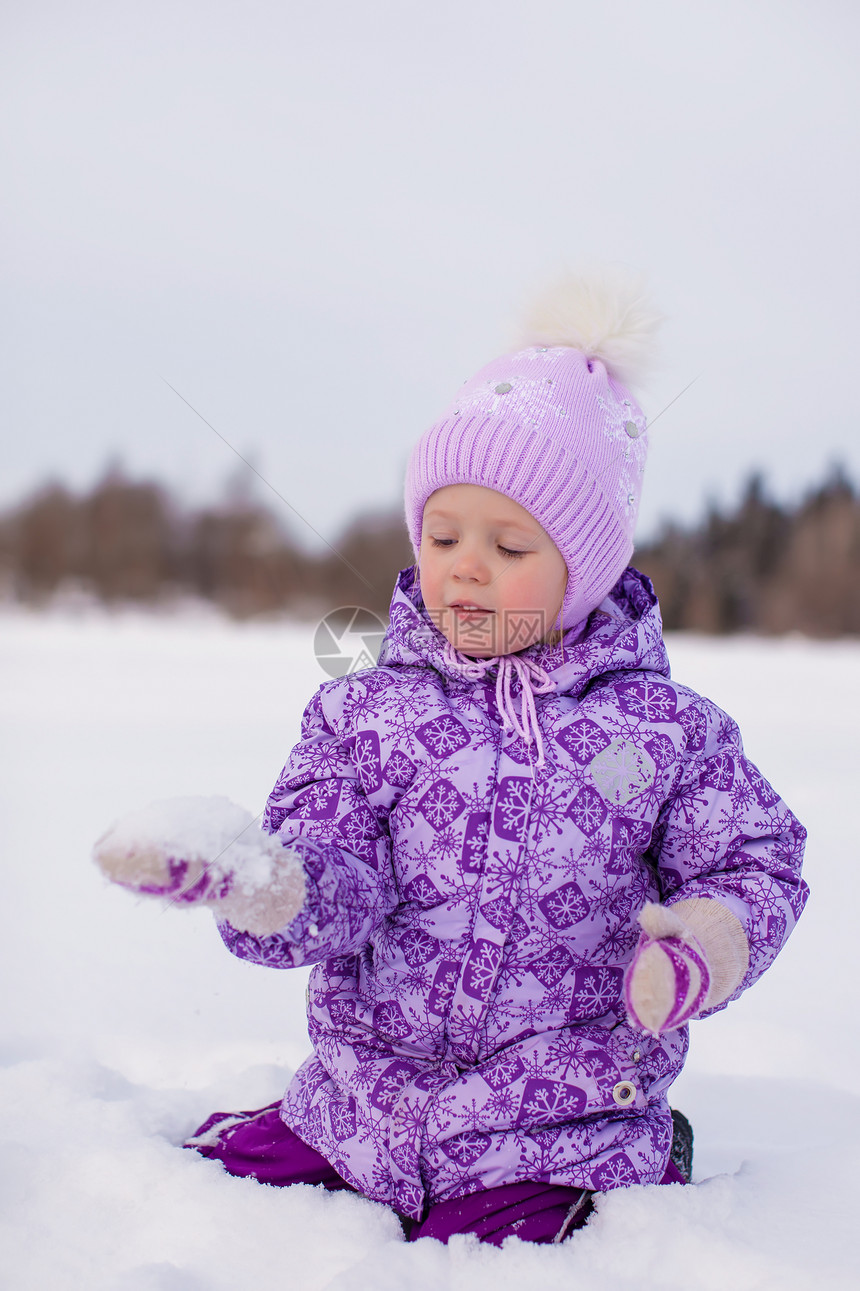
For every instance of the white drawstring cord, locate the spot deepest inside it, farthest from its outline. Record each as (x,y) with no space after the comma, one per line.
(534,680)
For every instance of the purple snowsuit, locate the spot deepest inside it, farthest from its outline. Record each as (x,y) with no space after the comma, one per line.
(471,912)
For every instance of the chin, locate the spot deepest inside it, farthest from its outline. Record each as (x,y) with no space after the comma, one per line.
(492,651)
(485,651)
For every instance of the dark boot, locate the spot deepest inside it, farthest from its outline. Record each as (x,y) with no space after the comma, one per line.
(681,1153)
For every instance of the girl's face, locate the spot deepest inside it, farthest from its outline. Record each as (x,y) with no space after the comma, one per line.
(492,579)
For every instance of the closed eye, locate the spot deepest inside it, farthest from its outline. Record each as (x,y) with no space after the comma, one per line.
(508,552)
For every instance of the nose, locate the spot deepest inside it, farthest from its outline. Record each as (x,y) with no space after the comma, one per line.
(470,564)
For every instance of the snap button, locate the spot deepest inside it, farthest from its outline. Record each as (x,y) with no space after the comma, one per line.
(624,1093)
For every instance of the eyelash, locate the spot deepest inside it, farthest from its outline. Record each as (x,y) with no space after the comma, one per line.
(506,551)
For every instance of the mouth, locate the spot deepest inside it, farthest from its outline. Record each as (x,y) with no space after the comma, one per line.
(466,608)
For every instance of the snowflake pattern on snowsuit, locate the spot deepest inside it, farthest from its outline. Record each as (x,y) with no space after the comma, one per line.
(469,916)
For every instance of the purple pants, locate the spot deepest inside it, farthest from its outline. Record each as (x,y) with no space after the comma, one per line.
(259,1145)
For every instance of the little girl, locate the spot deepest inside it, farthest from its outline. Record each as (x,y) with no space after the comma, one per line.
(528,857)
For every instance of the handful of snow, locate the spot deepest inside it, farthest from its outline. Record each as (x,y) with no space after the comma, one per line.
(206,851)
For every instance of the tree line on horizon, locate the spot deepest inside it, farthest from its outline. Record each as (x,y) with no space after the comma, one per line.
(757,566)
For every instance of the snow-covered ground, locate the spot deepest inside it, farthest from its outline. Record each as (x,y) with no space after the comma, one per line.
(124,1026)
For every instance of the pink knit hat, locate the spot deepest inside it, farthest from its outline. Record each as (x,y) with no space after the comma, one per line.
(555,427)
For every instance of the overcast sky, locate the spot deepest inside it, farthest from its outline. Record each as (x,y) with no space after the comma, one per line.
(316,220)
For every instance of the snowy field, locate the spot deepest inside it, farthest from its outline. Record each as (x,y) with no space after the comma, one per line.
(124,1026)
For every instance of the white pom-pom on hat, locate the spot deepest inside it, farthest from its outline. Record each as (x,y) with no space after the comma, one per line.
(605,313)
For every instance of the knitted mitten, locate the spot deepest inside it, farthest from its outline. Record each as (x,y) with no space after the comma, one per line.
(691,956)
(206,851)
